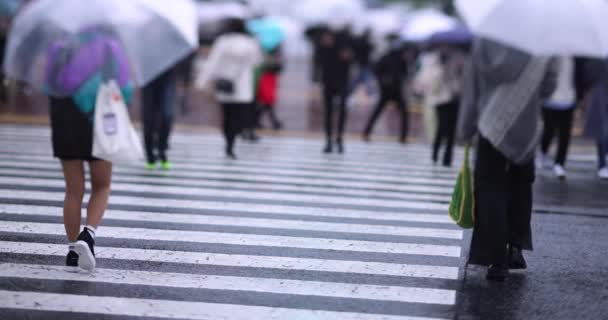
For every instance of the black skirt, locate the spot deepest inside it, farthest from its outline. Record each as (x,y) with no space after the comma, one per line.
(72,131)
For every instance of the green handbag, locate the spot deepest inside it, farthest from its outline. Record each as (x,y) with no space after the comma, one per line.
(462,206)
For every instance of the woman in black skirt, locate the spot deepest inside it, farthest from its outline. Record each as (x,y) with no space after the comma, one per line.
(72,136)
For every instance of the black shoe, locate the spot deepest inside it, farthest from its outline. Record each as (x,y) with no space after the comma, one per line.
(497,272)
(328,148)
(85,248)
(516,259)
(230,155)
(277,126)
(71,261)
(340,146)
(366,137)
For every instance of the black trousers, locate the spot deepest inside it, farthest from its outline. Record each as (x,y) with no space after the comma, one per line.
(387,95)
(332,95)
(602,152)
(261,110)
(235,117)
(557,122)
(447,117)
(503,206)
(158,111)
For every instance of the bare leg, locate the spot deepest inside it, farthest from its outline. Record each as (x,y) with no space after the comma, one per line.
(73,173)
(101,177)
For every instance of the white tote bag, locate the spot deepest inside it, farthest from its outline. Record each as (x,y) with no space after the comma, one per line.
(114,138)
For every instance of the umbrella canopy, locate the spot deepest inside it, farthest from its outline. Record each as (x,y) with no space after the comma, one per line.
(457,36)
(384,21)
(154,35)
(210,12)
(422,25)
(79,65)
(268,32)
(541,27)
(336,13)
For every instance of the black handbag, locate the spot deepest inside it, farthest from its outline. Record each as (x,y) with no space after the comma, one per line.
(224,86)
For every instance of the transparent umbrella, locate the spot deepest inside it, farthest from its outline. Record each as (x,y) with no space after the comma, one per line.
(425,23)
(331,12)
(209,12)
(154,35)
(542,27)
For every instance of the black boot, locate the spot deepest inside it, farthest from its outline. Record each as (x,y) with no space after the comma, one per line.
(340,146)
(328,147)
(497,272)
(516,258)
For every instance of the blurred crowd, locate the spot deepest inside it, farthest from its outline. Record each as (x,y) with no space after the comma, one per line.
(401,62)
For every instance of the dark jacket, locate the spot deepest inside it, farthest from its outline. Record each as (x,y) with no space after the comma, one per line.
(363,50)
(336,61)
(586,74)
(596,124)
(391,70)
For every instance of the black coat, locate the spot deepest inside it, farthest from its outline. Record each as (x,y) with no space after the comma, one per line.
(363,50)
(336,61)
(586,73)
(391,70)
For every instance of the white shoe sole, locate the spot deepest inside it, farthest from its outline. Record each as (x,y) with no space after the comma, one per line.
(86,260)
(72,269)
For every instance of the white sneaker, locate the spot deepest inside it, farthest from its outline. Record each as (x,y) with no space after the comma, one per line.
(603,173)
(559,171)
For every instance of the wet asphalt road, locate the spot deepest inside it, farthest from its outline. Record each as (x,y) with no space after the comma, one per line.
(567,276)
(286,233)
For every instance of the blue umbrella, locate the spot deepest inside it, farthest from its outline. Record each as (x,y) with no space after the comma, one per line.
(268,32)
(458,35)
(9,8)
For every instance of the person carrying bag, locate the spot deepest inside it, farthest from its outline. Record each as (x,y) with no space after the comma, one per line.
(114,138)
(462,206)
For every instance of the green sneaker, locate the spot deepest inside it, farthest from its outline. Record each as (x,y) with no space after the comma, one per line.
(166,165)
(150,166)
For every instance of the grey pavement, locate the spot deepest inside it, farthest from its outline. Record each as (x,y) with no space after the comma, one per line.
(288,233)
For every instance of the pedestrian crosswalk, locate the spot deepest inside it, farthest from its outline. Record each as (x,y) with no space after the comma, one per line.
(285,232)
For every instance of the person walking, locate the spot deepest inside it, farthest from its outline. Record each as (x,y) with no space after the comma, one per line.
(268,85)
(158,112)
(72,128)
(502,98)
(450,82)
(230,67)
(391,72)
(363,49)
(596,124)
(336,56)
(558,114)
(72,138)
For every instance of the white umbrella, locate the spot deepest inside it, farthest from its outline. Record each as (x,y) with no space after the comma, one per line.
(209,12)
(425,23)
(337,13)
(384,21)
(154,35)
(541,27)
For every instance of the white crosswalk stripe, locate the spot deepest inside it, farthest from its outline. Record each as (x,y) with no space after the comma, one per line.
(171,309)
(285,233)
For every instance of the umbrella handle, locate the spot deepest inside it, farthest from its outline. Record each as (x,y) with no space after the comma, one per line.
(107,70)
